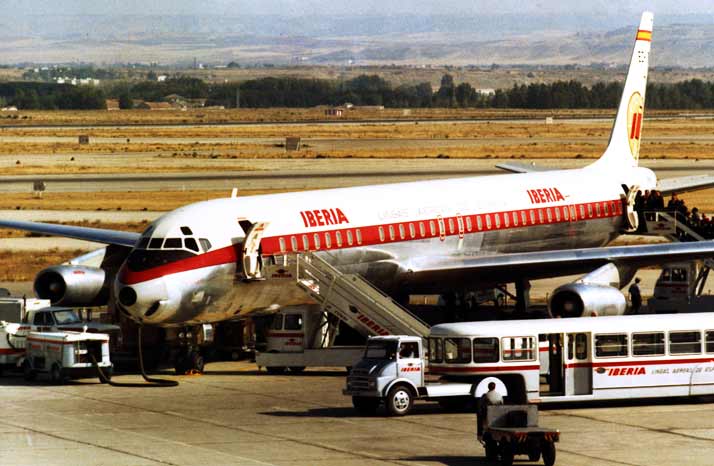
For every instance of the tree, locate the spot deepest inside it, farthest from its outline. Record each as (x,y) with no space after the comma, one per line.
(125,101)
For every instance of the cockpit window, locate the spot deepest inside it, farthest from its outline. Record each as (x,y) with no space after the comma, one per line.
(155,243)
(172,243)
(190,243)
(205,244)
(186,231)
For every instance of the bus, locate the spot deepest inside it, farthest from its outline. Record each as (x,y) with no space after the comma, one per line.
(587,358)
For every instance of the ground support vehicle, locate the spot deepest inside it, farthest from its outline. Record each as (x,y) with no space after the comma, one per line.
(392,371)
(513,430)
(303,336)
(681,287)
(64,355)
(10,349)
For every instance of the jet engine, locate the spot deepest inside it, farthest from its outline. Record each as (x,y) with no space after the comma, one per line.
(73,285)
(595,294)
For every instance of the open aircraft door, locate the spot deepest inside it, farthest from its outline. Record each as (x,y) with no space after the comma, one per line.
(251,261)
(632,220)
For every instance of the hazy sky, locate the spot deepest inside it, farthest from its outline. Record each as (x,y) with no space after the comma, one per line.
(346,7)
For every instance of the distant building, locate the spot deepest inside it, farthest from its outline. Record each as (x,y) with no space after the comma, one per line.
(154,106)
(12,108)
(161,78)
(486,91)
(182,102)
(112,104)
(335,112)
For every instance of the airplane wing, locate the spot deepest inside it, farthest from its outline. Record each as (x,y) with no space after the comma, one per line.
(98,235)
(546,264)
(685,184)
(514,167)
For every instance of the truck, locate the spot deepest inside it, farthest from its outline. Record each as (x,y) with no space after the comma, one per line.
(304,336)
(679,288)
(392,372)
(64,355)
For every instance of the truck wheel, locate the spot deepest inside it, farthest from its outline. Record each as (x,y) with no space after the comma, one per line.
(56,376)
(197,361)
(365,405)
(27,371)
(296,369)
(491,447)
(506,453)
(108,372)
(548,451)
(275,369)
(399,400)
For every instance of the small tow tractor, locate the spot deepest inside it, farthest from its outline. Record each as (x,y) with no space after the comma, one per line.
(64,355)
(513,430)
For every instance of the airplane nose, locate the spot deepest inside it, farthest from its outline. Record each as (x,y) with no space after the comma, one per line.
(147,302)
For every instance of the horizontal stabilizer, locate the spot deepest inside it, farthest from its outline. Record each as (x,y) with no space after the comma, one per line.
(685,184)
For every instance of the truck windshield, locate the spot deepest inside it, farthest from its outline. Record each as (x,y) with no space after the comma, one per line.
(66,317)
(381,350)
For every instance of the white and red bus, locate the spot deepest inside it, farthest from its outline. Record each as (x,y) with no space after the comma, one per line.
(643,356)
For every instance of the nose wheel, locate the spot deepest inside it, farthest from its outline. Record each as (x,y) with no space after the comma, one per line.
(189,360)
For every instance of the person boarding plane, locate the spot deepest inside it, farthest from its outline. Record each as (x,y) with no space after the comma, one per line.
(204,262)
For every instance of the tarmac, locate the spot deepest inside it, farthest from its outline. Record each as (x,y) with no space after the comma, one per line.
(235,415)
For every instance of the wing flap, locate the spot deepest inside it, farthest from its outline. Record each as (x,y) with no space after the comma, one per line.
(98,235)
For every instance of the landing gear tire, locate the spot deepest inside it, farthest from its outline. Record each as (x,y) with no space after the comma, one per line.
(56,375)
(296,369)
(399,401)
(27,371)
(276,370)
(188,361)
(197,362)
(365,406)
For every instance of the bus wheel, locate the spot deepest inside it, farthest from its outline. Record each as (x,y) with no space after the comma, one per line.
(27,371)
(506,453)
(275,369)
(399,400)
(365,405)
(548,450)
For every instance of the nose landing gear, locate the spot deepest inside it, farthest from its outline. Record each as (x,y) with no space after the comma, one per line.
(188,360)
(187,357)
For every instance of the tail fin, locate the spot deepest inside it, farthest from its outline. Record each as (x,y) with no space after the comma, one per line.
(624,146)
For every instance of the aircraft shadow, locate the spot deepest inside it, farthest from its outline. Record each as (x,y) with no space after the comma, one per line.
(348,411)
(456,460)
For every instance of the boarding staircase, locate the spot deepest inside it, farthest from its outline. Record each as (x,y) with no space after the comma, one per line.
(354,300)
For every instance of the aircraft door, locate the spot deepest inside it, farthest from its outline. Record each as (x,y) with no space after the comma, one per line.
(251,261)
(578,364)
(632,219)
(409,362)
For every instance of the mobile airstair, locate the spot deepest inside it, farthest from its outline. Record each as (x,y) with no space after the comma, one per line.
(354,300)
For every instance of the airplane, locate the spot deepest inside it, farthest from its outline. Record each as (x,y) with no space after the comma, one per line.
(203,263)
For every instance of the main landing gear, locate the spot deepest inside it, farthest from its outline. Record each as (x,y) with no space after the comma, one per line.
(188,360)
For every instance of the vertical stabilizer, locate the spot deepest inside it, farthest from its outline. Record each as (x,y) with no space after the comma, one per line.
(623,150)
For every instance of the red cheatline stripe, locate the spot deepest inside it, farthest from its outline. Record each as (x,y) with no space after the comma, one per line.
(370,236)
(472,369)
(649,362)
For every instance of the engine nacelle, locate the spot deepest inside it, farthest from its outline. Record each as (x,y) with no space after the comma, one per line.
(73,285)
(586,300)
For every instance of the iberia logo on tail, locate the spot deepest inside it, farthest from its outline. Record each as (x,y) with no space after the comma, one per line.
(634,123)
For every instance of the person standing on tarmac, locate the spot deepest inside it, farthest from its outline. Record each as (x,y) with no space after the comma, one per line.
(635,296)
(490,398)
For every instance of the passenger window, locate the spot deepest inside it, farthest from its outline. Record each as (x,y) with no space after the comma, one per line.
(582,211)
(590,210)
(469,224)
(685,342)
(155,243)
(412,230)
(316,240)
(283,248)
(515,218)
(460,223)
(432,227)
(597,209)
(518,349)
(338,239)
(648,344)
(457,350)
(581,346)
(524,219)
(186,231)
(381,234)
(540,216)
(305,243)
(604,209)
(349,237)
(293,322)
(391,232)
(436,350)
(497,220)
(293,243)
(451,226)
(205,244)
(422,229)
(359,236)
(506,220)
(549,213)
(277,323)
(479,223)
(190,244)
(402,233)
(572,213)
(557,214)
(611,346)
(709,341)
(565,213)
(532,215)
(328,240)
(485,350)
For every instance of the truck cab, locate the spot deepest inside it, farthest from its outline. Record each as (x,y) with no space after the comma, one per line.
(58,319)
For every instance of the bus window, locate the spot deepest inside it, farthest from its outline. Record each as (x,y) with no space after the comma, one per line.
(457,350)
(581,346)
(709,341)
(293,322)
(611,346)
(277,323)
(436,350)
(518,349)
(685,342)
(647,344)
(485,350)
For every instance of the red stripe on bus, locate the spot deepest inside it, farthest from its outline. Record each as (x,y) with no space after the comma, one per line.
(484,369)
(644,362)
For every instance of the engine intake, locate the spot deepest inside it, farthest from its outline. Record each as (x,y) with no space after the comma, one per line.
(73,285)
(586,300)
